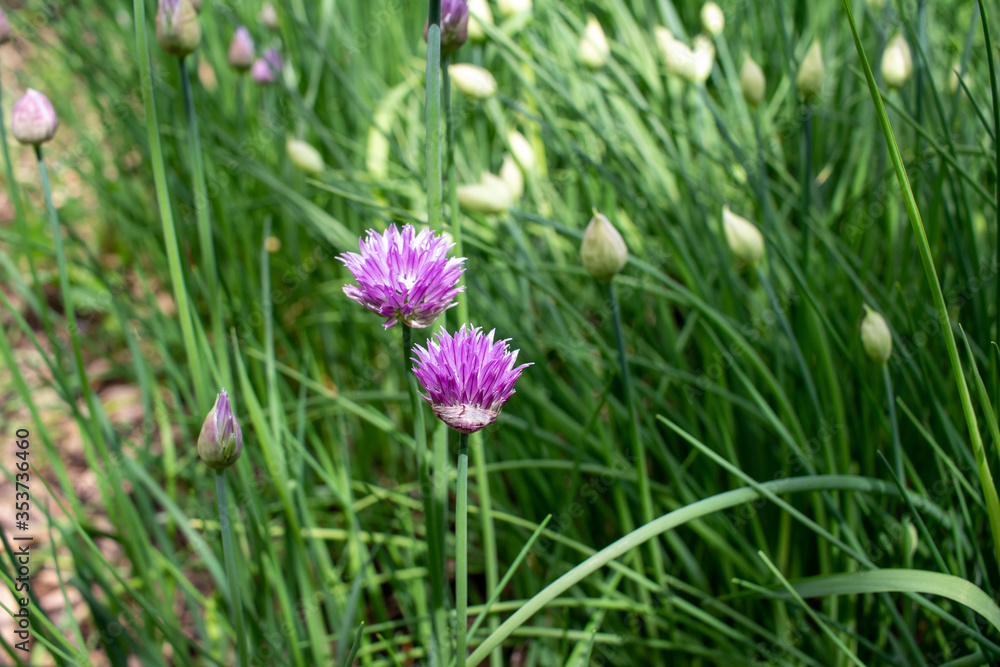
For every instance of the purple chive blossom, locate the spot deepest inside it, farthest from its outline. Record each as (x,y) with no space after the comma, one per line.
(468,377)
(404,275)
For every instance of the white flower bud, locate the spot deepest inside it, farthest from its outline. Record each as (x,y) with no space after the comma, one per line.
(512,177)
(712,18)
(304,157)
(479,13)
(523,151)
(594,49)
(509,8)
(491,195)
(897,64)
(875,336)
(472,80)
(743,237)
(693,65)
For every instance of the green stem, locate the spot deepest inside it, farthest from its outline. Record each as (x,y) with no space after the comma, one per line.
(205,225)
(435,203)
(806,182)
(64,286)
(166,214)
(426,491)
(639,447)
(22,225)
(897,447)
(462,545)
(230,556)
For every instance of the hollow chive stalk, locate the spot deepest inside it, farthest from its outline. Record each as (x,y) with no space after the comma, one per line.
(462,546)
(204,225)
(435,215)
(191,349)
(645,496)
(426,493)
(230,557)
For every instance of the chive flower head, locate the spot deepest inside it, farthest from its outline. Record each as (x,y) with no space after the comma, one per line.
(467,377)
(404,275)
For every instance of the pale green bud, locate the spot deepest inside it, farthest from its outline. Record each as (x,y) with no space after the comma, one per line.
(897,63)
(752,81)
(509,8)
(479,13)
(593,50)
(491,195)
(876,337)
(712,18)
(603,251)
(743,237)
(510,174)
(811,72)
(304,157)
(473,80)
(523,151)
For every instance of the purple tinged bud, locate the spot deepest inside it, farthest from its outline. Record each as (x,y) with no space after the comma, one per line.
(241,50)
(4,28)
(454,25)
(177,29)
(274,59)
(262,73)
(33,120)
(221,440)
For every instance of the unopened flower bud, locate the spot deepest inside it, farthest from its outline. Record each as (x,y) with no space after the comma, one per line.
(712,18)
(479,13)
(743,237)
(262,73)
(4,28)
(472,80)
(510,174)
(221,440)
(752,81)
(177,27)
(875,336)
(33,121)
(603,251)
(304,157)
(897,64)
(593,50)
(693,65)
(509,8)
(811,72)
(454,26)
(241,51)
(491,195)
(522,150)
(269,16)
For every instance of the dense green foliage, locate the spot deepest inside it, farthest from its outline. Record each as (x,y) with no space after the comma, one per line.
(742,375)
